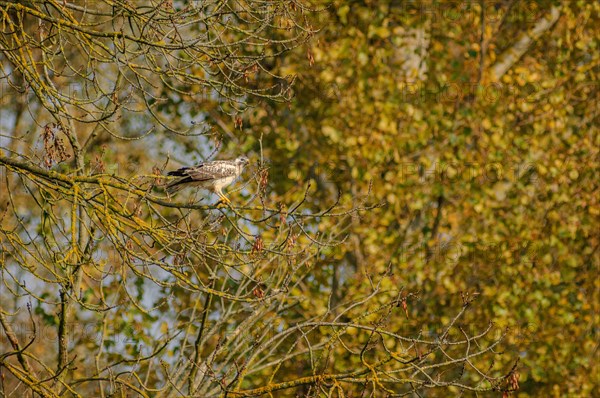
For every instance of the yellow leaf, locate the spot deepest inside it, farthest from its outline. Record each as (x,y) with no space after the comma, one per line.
(164,327)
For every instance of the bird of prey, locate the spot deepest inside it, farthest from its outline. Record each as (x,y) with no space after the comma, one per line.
(214,175)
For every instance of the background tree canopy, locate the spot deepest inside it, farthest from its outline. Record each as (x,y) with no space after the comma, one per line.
(420,216)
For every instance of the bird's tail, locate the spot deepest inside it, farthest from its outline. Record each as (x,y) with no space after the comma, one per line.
(179,184)
(173,188)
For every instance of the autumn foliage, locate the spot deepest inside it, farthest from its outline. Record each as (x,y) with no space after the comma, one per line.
(419,218)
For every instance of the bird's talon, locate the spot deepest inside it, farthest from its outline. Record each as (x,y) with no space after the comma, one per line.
(223,202)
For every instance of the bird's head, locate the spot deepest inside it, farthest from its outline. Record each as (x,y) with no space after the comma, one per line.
(242,161)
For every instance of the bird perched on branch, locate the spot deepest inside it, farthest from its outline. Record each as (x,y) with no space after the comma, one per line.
(214,175)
